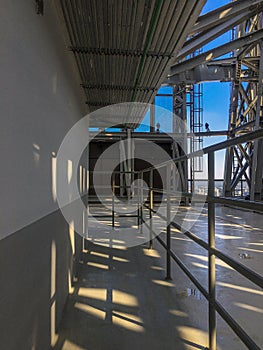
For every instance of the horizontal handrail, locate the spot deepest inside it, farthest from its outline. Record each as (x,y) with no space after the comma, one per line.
(240,203)
(243,270)
(210,246)
(250,136)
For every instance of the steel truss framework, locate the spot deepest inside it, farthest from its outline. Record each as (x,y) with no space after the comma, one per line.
(243,167)
(244,162)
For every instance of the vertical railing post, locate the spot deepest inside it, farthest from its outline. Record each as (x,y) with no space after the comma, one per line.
(211,255)
(141,199)
(138,199)
(112,200)
(151,207)
(129,163)
(168,219)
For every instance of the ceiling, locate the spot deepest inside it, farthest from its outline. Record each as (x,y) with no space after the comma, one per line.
(123,48)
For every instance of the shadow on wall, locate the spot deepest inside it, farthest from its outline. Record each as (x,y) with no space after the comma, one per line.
(38,266)
(36,263)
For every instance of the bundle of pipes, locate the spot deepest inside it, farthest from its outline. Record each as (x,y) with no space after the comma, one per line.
(124,48)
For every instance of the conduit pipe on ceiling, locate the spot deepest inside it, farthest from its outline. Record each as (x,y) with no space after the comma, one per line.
(146,49)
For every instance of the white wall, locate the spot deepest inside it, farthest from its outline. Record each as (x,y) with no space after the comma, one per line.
(40,99)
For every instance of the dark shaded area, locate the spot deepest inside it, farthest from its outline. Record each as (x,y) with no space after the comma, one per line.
(25,278)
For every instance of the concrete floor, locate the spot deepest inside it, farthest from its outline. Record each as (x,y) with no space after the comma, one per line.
(122,301)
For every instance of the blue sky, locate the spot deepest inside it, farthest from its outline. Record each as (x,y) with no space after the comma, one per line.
(213,4)
(216,98)
(216,94)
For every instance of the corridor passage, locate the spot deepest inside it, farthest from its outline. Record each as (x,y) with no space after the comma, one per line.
(122,301)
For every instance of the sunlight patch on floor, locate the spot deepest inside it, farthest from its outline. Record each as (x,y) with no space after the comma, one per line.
(178,313)
(69,345)
(91,310)
(151,252)
(194,338)
(157,268)
(122,298)
(196,264)
(131,322)
(249,307)
(98,265)
(227,236)
(243,289)
(117,258)
(163,283)
(93,293)
(100,254)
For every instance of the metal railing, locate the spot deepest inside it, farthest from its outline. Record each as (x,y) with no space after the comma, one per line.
(114,187)
(210,246)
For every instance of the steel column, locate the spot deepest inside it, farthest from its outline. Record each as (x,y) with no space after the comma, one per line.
(141,200)
(152,118)
(129,163)
(211,255)
(151,207)
(168,222)
(113,202)
(257,162)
